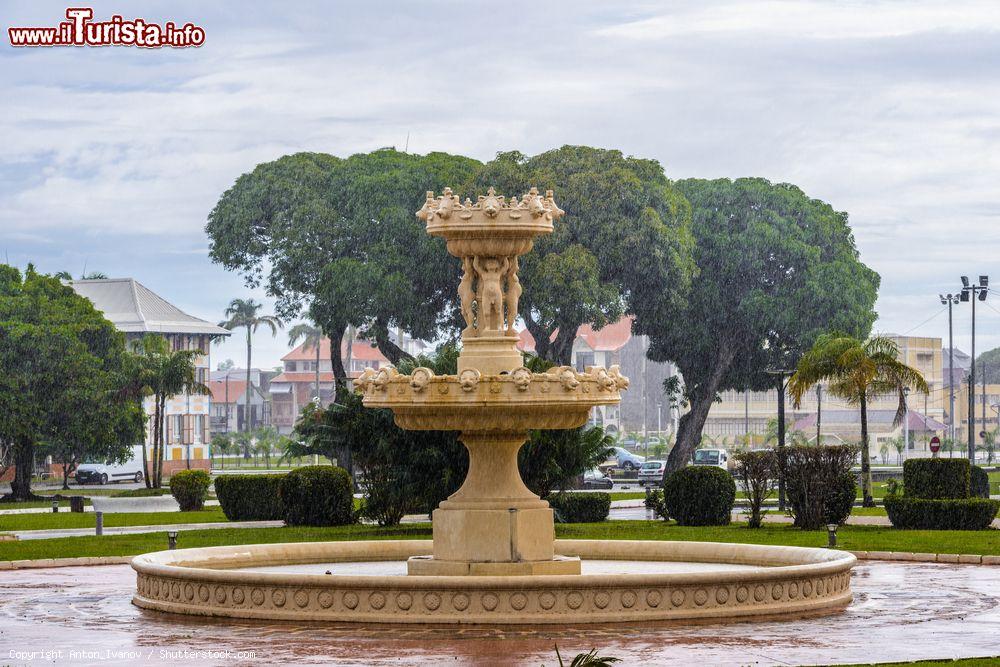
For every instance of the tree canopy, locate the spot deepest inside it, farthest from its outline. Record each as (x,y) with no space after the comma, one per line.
(988,366)
(776,269)
(66,379)
(624,243)
(339,237)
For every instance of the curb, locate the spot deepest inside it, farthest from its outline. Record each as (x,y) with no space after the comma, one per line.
(64,562)
(961,559)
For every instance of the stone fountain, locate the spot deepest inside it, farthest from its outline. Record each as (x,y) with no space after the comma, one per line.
(493,525)
(493,558)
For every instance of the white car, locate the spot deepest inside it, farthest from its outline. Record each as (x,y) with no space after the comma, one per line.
(651,472)
(95,472)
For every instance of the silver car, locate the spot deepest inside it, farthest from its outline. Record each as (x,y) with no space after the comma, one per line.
(651,472)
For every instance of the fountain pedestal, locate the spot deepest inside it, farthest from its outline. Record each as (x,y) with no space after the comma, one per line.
(494,524)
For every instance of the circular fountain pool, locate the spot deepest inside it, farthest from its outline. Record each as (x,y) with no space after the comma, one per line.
(621,581)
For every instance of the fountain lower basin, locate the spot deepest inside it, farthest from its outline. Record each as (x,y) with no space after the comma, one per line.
(650,581)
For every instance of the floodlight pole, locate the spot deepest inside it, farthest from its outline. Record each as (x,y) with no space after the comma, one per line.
(972,292)
(951,300)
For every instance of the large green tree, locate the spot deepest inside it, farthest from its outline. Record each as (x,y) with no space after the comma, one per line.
(66,376)
(339,237)
(624,243)
(776,269)
(988,366)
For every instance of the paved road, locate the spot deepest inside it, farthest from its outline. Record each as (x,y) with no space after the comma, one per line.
(901,612)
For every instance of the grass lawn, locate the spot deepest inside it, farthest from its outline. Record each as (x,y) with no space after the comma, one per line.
(12,522)
(854,538)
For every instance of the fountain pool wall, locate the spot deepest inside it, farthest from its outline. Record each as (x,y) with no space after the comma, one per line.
(222,581)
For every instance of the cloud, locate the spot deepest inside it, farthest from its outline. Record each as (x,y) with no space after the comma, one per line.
(887,110)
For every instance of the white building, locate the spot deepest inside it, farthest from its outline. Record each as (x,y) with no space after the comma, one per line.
(135,310)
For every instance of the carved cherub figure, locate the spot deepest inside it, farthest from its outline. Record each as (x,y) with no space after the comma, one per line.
(491,302)
(467,294)
(512,296)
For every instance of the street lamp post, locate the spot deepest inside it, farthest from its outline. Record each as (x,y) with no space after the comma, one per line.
(951,300)
(781,373)
(971,292)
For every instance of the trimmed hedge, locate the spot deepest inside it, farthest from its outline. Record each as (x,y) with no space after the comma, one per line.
(140,493)
(317,496)
(250,497)
(700,496)
(979,483)
(955,514)
(190,488)
(839,500)
(935,479)
(581,507)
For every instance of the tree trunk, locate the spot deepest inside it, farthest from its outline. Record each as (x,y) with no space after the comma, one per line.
(161,450)
(390,350)
(542,338)
(561,349)
(691,423)
(866,466)
(24,464)
(246,408)
(145,456)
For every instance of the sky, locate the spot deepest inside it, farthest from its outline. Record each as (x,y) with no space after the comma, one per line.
(112,157)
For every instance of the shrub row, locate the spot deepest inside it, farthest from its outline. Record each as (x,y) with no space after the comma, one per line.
(948,514)
(935,479)
(308,496)
(581,507)
(317,496)
(250,497)
(190,488)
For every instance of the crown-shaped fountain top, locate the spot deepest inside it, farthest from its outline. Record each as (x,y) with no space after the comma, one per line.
(448,208)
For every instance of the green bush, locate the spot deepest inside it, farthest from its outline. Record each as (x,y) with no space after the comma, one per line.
(654,502)
(979,483)
(581,507)
(815,481)
(140,493)
(190,488)
(840,499)
(934,479)
(317,496)
(700,496)
(250,497)
(948,514)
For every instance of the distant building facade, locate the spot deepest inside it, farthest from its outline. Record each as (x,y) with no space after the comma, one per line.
(136,311)
(743,416)
(295,385)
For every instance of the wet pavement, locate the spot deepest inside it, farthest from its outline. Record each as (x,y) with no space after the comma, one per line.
(902,611)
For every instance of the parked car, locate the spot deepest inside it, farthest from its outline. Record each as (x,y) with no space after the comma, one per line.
(651,472)
(102,472)
(711,457)
(626,460)
(595,479)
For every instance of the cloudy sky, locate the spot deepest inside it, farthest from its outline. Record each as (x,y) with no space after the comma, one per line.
(112,157)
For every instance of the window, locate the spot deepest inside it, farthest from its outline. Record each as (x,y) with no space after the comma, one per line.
(584,359)
(290,366)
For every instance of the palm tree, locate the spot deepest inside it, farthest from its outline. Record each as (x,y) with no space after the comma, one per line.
(221,444)
(267,438)
(244,313)
(164,373)
(857,371)
(311,337)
